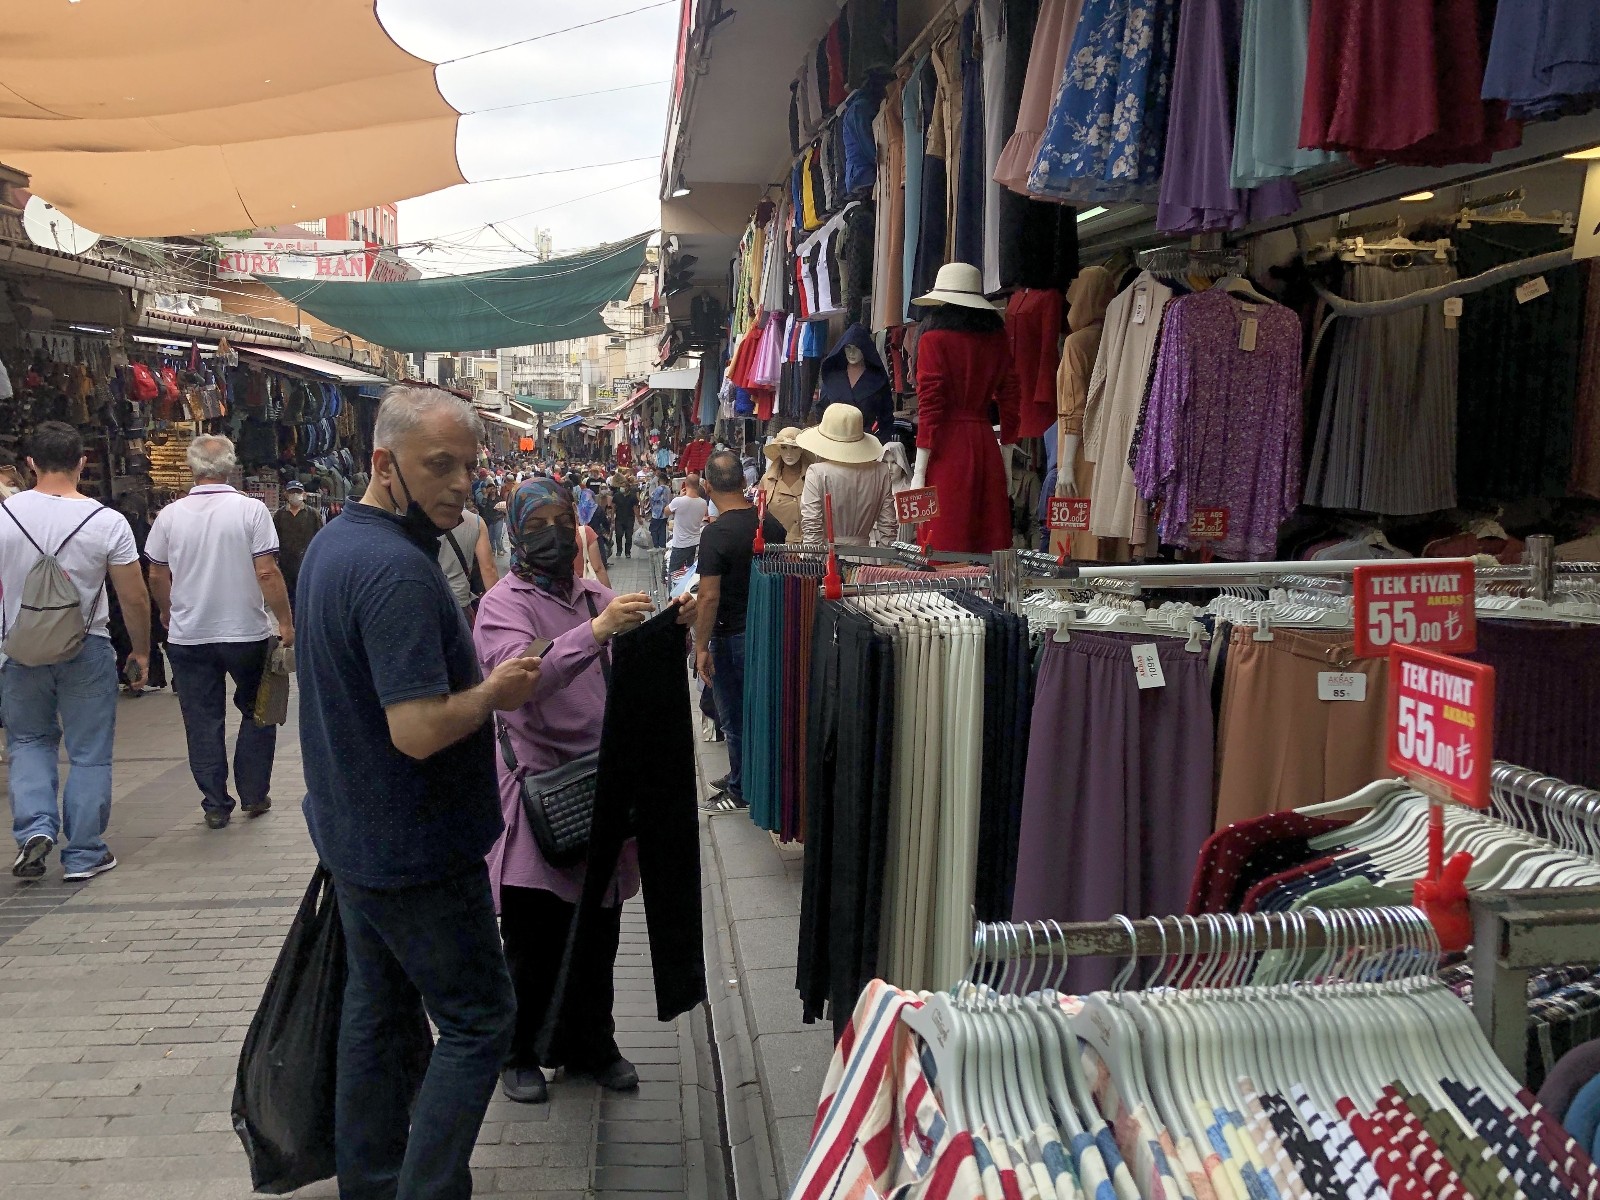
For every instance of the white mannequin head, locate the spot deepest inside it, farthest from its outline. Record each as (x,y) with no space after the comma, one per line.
(853,356)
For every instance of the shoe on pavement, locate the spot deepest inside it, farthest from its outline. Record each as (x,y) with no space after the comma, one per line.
(95,868)
(216,820)
(524,1085)
(725,802)
(255,810)
(616,1076)
(31,856)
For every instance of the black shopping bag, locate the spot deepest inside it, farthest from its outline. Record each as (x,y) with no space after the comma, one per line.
(283,1095)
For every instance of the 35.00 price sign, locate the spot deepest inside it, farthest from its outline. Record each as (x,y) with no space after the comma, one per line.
(1405,604)
(916,505)
(1441,715)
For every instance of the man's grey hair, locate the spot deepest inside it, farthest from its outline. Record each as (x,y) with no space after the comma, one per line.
(404,408)
(211,456)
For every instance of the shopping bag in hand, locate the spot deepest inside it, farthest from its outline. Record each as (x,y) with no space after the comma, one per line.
(283,1094)
(272,696)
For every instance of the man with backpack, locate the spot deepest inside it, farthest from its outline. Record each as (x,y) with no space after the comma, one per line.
(214,574)
(57,550)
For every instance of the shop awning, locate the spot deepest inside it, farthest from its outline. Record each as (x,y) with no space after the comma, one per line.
(684,377)
(518,306)
(317,366)
(610,425)
(523,426)
(570,421)
(164,117)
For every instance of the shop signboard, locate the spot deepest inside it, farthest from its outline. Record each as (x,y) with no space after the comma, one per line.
(1441,723)
(294,258)
(1068,513)
(1408,604)
(916,505)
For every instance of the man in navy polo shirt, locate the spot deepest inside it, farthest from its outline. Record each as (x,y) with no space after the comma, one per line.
(403,804)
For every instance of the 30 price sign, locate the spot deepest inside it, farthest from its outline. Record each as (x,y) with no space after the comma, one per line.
(1208,525)
(1408,604)
(1069,513)
(1441,716)
(916,506)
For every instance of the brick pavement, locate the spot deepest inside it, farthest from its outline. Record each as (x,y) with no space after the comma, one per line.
(123,1003)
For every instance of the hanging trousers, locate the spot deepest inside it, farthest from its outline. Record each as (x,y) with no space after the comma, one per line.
(534,925)
(644,789)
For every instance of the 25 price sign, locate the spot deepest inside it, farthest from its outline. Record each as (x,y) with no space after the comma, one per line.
(1208,525)
(1441,712)
(1404,604)
(916,506)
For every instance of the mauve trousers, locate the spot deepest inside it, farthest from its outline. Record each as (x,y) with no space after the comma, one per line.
(1117,799)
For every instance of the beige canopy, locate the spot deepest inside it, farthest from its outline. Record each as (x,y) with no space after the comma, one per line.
(145,118)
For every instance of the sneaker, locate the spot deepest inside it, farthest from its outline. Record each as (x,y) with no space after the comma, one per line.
(255,810)
(31,856)
(725,803)
(720,785)
(93,869)
(216,820)
(524,1085)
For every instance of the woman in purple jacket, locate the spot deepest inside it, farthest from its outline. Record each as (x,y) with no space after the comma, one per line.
(541,601)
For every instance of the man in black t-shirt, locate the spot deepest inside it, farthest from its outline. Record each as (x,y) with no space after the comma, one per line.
(625,502)
(726,552)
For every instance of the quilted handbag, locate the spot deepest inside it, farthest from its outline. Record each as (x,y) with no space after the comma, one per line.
(559,803)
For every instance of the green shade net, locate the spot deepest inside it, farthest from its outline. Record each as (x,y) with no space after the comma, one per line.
(539,404)
(519,306)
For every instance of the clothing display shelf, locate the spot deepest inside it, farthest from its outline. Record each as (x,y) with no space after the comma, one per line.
(1515,934)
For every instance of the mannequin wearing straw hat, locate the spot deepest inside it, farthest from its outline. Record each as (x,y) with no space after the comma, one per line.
(849,470)
(964,376)
(785,480)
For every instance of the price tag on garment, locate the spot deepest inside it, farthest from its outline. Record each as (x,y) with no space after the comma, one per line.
(1532,290)
(1208,525)
(916,505)
(1441,722)
(1247,333)
(1147,666)
(1453,308)
(1141,304)
(1342,685)
(1409,604)
(1070,513)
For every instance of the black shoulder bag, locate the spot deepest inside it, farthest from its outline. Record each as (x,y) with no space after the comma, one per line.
(559,803)
(473,572)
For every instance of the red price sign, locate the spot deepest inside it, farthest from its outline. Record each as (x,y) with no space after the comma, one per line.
(917,505)
(1208,525)
(1441,718)
(1409,604)
(1070,513)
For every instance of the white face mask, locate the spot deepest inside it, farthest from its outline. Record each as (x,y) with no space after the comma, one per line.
(790,457)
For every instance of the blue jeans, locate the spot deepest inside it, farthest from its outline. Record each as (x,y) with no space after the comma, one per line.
(77,698)
(658,532)
(497,536)
(727,684)
(202,673)
(436,946)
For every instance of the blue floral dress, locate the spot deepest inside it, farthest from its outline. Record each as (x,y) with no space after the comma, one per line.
(1106,136)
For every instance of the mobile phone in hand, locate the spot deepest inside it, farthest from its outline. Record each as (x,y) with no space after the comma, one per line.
(539,648)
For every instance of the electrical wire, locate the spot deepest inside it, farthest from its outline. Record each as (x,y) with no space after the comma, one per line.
(632,87)
(621,162)
(539,37)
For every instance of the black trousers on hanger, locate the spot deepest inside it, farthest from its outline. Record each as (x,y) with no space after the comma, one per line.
(645,789)
(812,964)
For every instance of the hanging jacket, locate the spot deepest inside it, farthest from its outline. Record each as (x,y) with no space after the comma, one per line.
(871,393)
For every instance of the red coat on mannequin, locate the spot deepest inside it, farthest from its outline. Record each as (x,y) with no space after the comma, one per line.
(961,378)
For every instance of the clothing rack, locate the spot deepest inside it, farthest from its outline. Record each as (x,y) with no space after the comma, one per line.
(906,587)
(1515,934)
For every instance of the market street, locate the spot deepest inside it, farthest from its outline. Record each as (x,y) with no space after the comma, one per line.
(123,1004)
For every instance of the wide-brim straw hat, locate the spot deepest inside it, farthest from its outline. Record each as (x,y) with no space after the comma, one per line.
(786,440)
(841,438)
(957,283)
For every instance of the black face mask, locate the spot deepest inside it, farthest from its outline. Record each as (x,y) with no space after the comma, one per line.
(549,552)
(416,522)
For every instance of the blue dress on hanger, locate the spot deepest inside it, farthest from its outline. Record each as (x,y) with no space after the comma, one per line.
(1106,136)
(1544,58)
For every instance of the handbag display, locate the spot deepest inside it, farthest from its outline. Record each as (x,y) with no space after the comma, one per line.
(559,803)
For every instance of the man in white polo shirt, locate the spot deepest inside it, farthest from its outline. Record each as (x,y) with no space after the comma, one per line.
(214,574)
